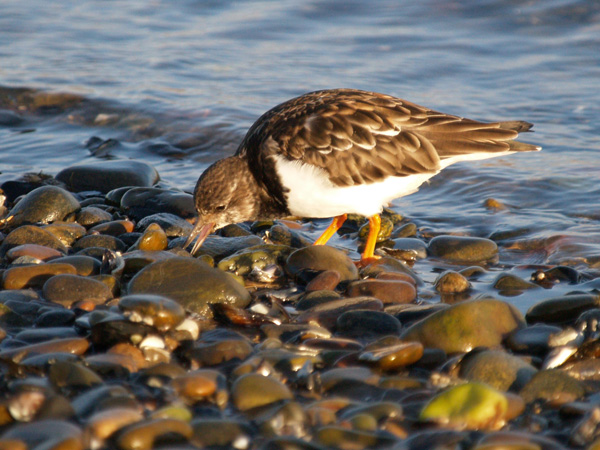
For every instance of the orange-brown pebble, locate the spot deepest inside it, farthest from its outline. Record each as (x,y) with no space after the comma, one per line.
(395,356)
(326,280)
(33,276)
(194,386)
(130,352)
(141,435)
(34,250)
(104,423)
(388,291)
(76,346)
(398,276)
(153,239)
(114,228)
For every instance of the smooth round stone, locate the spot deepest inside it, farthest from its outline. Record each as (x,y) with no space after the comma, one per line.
(253,390)
(192,283)
(101,425)
(221,433)
(136,260)
(253,258)
(152,239)
(114,330)
(411,245)
(54,434)
(451,282)
(388,291)
(68,289)
(532,340)
(76,346)
(92,215)
(142,435)
(563,309)
(84,265)
(222,247)
(508,282)
(33,276)
(55,317)
(552,385)
(44,205)
(40,252)
(33,335)
(283,235)
(393,357)
(474,406)
(214,352)
(194,387)
(327,280)
(307,262)
(100,240)
(387,265)
(347,375)
(173,225)
(104,176)
(113,227)
(367,324)
(462,249)
(467,325)
(159,312)
(67,374)
(141,202)
(497,368)
(29,234)
(66,232)
(326,314)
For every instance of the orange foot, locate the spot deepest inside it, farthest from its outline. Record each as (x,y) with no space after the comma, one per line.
(364,262)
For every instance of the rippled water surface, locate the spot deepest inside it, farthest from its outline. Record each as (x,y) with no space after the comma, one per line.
(178,83)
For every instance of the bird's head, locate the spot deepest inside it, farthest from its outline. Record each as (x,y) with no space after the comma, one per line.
(224,195)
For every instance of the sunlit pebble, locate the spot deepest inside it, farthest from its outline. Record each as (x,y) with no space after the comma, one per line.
(568,336)
(152,341)
(133,316)
(558,356)
(149,320)
(25,405)
(136,338)
(191,327)
(241,442)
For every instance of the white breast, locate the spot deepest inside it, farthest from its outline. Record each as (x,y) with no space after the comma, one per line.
(311,194)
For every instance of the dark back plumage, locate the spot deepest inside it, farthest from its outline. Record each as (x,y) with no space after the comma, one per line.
(361,137)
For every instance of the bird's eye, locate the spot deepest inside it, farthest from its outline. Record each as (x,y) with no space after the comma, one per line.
(220,208)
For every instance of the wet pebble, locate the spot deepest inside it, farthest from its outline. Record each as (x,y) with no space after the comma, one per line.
(172,225)
(462,249)
(104,241)
(84,265)
(141,202)
(466,325)
(554,386)
(159,312)
(152,239)
(254,390)
(113,227)
(33,276)
(92,215)
(565,309)
(308,262)
(388,291)
(190,282)
(104,176)
(67,289)
(451,282)
(29,234)
(36,251)
(367,324)
(326,280)
(44,205)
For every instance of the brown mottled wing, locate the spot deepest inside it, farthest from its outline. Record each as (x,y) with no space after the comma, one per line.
(361,137)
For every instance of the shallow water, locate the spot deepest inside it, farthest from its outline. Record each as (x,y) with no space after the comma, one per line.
(177,85)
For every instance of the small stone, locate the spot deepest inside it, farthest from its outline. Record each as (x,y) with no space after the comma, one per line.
(29,234)
(565,309)
(69,289)
(44,205)
(141,202)
(451,282)
(552,385)
(33,276)
(40,252)
(91,215)
(308,262)
(388,291)
(190,282)
(253,390)
(327,280)
(104,176)
(463,249)
(367,324)
(113,227)
(160,312)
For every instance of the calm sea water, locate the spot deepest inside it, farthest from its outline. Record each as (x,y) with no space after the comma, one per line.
(178,83)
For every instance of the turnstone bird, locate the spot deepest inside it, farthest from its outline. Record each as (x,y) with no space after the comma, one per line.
(333,152)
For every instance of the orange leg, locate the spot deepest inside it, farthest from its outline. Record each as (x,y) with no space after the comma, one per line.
(374,227)
(331,229)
